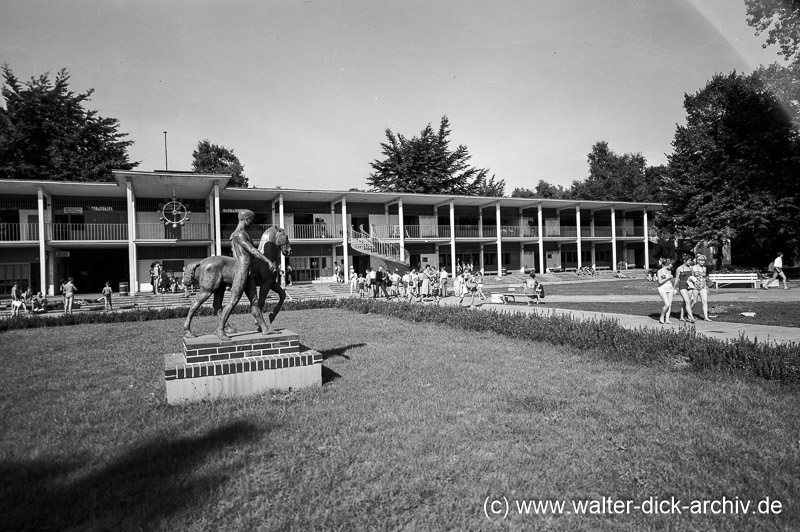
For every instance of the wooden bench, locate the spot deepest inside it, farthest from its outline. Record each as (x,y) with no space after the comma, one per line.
(570,269)
(734,278)
(511,295)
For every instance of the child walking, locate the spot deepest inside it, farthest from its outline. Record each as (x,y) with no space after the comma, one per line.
(107,295)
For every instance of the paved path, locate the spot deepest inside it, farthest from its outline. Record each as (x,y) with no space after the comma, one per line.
(715,329)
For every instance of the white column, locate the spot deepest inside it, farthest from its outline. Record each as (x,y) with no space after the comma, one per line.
(499,240)
(402,226)
(345,240)
(521,243)
(540,222)
(452,237)
(646,242)
(480,222)
(133,274)
(217,226)
(43,286)
(480,259)
(578,224)
(613,238)
(282,224)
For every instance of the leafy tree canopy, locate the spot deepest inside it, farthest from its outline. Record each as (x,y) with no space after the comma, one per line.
(46,133)
(781,20)
(426,165)
(543,190)
(784,83)
(615,177)
(733,173)
(492,188)
(213,159)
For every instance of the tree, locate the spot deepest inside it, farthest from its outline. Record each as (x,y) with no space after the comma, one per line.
(543,190)
(784,83)
(733,174)
(492,188)
(615,177)
(47,134)
(781,20)
(426,165)
(213,159)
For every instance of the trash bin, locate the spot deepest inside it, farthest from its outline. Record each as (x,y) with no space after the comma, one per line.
(123,289)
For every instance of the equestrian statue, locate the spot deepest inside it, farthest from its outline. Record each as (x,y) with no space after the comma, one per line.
(249,268)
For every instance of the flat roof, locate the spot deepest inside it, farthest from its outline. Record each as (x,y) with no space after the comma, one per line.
(198,186)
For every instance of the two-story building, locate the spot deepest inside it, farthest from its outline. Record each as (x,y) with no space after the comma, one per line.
(94,232)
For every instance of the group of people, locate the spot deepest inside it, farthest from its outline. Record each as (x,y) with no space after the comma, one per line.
(26,301)
(163,280)
(690,280)
(416,284)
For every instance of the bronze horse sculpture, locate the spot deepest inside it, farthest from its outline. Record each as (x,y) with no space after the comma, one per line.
(214,274)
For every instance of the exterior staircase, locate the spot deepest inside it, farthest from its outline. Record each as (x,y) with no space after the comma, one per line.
(372,245)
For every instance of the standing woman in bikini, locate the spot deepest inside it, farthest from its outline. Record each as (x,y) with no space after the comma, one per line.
(682,275)
(701,285)
(666,289)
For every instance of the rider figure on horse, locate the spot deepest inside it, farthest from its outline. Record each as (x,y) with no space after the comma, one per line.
(243,251)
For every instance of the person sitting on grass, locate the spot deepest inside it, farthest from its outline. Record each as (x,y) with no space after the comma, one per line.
(620,275)
(39,304)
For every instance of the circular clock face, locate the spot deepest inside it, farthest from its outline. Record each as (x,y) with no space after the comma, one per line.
(174,212)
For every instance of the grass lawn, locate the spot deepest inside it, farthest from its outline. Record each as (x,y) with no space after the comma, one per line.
(417,427)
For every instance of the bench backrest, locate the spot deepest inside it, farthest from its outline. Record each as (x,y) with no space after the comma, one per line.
(730,276)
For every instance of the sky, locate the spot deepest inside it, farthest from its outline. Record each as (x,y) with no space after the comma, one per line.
(303,91)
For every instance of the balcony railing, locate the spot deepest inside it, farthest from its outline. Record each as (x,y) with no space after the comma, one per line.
(18,232)
(596,232)
(91,232)
(197,231)
(314,231)
(255,231)
(461,231)
(630,231)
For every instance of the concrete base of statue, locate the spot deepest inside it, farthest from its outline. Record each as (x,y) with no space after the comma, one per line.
(250,363)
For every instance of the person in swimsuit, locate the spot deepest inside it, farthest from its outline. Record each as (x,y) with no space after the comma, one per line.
(700,273)
(666,289)
(682,275)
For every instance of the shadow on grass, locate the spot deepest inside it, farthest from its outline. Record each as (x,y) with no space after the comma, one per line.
(328,375)
(340,351)
(147,484)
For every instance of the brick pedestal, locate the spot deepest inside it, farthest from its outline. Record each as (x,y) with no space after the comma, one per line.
(250,363)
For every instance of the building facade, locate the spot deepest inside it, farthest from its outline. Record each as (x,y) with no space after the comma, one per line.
(98,232)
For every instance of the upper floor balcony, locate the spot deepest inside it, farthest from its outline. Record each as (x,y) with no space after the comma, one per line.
(461,231)
(630,231)
(19,232)
(86,232)
(159,231)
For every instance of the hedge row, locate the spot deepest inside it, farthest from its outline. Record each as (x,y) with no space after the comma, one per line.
(779,362)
